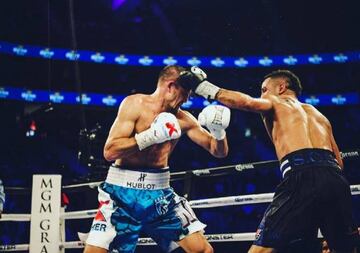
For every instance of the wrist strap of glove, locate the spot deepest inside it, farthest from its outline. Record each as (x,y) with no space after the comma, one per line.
(145,139)
(207,90)
(218,134)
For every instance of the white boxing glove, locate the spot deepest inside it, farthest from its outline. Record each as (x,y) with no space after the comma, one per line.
(165,127)
(216,118)
(204,88)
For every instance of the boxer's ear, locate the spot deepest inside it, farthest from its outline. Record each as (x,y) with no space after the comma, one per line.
(173,86)
(282,87)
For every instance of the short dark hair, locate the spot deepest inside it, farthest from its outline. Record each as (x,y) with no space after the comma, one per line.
(293,81)
(170,72)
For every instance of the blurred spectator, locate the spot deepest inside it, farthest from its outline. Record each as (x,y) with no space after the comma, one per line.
(324,247)
(2,197)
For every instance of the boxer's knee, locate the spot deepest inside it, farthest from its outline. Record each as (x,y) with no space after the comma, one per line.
(94,249)
(258,249)
(205,248)
(209,249)
(196,243)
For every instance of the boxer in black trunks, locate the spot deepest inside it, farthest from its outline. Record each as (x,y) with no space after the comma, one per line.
(314,193)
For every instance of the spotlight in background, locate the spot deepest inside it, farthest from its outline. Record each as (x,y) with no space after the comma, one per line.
(32,129)
(247,132)
(117,4)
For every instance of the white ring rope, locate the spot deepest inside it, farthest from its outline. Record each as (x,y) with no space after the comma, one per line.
(224,169)
(201,203)
(236,237)
(15,217)
(146,241)
(91,185)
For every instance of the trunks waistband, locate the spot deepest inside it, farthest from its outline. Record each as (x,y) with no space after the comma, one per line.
(142,179)
(307,158)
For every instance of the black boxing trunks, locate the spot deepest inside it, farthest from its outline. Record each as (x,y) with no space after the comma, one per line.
(313,194)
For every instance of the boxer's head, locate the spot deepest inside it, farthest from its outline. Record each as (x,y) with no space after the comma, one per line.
(281,82)
(174,94)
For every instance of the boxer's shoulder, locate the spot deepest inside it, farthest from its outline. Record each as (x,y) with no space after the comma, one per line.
(132,107)
(138,98)
(274,99)
(136,101)
(308,107)
(311,111)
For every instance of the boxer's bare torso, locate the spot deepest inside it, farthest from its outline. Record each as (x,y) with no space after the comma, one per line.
(144,110)
(293,125)
(136,115)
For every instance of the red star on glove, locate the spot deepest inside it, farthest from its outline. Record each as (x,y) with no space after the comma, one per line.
(171,127)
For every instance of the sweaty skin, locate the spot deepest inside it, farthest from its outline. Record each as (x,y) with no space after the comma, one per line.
(136,113)
(291,125)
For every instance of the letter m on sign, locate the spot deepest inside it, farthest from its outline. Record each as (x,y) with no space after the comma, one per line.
(46,184)
(45,210)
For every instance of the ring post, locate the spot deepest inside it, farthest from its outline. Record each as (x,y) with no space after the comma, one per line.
(187,184)
(45,214)
(62,231)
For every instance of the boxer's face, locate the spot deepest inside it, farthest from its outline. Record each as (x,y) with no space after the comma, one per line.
(267,87)
(177,96)
(271,86)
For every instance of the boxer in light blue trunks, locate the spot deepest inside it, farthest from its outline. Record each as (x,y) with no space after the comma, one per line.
(136,195)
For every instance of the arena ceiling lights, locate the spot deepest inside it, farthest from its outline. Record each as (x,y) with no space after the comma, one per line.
(161,60)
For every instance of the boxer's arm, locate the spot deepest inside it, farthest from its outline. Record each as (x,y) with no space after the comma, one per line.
(119,144)
(199,135)
(335,149)
(242,101)
(196,78)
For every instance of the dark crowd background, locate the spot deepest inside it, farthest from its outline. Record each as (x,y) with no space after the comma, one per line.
(164,27)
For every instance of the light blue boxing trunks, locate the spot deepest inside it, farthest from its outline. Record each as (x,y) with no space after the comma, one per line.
(134,200)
